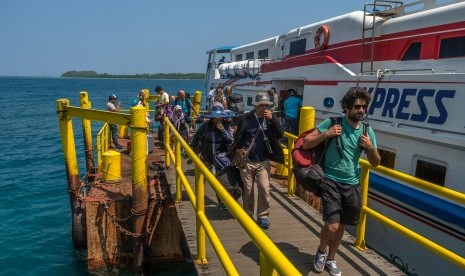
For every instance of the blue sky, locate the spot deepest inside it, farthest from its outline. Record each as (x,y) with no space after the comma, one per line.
(50,37)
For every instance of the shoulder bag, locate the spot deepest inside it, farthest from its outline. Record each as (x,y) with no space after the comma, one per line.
(240,155)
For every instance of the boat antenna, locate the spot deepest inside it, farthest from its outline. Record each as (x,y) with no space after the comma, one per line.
(379,75)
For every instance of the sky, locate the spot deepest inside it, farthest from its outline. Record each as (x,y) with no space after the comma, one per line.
(50,37)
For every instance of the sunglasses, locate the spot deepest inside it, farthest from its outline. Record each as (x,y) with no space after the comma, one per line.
(358,106)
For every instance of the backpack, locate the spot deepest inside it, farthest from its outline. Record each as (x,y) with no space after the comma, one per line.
(307,164)
(235,103)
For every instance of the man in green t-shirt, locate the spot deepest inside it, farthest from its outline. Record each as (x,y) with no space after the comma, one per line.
(341,199)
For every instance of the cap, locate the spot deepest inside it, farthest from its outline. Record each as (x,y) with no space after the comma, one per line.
(262,98)
(112,96)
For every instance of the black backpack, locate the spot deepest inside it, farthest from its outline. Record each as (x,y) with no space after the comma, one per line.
(235,103)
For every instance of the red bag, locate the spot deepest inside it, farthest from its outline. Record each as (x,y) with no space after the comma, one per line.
(307,164)
(305,158)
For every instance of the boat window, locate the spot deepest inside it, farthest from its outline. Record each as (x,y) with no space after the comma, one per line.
(452,47)
(297,47)
(431,172)
(413,52)
(249,55)
(388,158)
(238,57)
(249,101)
(263,53)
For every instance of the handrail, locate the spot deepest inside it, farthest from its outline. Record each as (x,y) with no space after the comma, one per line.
(425,185)
(413,181)
(103,143)
(273,258)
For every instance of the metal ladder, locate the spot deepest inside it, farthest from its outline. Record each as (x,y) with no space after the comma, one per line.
(388,9)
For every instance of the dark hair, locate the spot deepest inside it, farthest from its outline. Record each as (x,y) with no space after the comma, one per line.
(354,93)
(158,88)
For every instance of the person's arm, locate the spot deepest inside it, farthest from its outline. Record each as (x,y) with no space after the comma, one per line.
(274,124)
(372,153)
(316,137)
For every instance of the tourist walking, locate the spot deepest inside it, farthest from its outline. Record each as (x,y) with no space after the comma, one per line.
(114,128)
(212,140)
(292,107)
(340,197)
(258,130)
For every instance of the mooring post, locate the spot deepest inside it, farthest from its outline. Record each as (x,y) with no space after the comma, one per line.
(139,183)
(87,134)
(72,173)
(69,148)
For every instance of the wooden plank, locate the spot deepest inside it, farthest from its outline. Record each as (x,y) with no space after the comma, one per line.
(295,228)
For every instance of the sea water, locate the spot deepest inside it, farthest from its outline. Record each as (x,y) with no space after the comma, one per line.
(35,217)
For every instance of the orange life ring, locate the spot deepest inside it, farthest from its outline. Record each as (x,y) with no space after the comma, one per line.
(320,46)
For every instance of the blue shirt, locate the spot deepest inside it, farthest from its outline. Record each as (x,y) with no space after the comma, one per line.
(185,106)
(292,106)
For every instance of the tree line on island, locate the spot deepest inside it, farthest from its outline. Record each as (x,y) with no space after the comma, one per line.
(93,74)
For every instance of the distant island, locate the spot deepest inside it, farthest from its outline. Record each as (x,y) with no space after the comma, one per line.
(93,74)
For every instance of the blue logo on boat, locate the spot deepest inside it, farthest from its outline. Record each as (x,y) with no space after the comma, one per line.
(328,102)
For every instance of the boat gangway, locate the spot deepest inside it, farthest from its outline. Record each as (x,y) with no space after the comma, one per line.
(220,242)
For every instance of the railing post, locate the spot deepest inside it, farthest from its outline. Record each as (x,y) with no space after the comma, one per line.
(166,139)
(201,257)
(306,122)
(87,134)
(360,236)
(139,182)
(290,174)
(69,150)
(266,268)
(178,166)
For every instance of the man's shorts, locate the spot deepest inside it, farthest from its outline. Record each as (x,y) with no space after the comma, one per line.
(341,203)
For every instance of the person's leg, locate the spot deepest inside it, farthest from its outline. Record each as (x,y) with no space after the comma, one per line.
(287,124)
(114,134)
(294,126)
(262,178)
(247,176)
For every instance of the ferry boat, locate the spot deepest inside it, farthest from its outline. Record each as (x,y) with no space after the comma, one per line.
(411,58)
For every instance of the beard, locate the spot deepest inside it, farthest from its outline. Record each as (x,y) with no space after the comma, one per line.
(355,117)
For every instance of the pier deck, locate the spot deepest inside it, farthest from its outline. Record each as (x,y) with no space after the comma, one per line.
(294,228)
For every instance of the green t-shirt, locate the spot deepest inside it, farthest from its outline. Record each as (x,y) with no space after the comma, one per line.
(346,170)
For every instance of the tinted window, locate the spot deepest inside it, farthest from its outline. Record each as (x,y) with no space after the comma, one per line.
(297,47)
(249,55)
(431,172)
(249,101)
(263,53)
(238,57)
(388,158)
(413,52)
(452,47)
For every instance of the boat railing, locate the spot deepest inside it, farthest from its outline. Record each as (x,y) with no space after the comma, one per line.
(272,260)
(307,115)
(412,235)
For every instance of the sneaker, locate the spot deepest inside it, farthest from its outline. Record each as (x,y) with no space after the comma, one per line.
(120,148)
(332,268)
(263,223)
(319,260)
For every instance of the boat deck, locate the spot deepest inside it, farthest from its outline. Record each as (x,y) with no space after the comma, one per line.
(295,227)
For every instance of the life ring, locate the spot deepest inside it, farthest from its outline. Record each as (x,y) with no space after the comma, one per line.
(320,46)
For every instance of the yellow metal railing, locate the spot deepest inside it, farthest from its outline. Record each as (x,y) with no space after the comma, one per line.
(272,260)
(307,115)
(103,142)
(421,184)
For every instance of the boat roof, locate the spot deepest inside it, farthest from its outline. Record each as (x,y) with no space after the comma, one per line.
(223,49)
